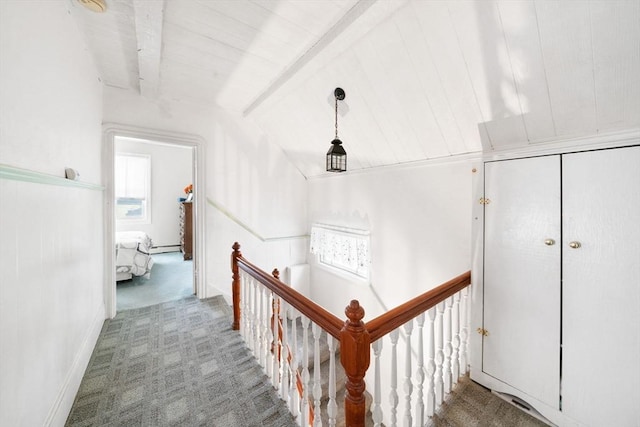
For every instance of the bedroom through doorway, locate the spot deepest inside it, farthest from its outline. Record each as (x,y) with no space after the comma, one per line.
(153,221)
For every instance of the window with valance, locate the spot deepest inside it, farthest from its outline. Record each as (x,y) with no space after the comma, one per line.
(343,248)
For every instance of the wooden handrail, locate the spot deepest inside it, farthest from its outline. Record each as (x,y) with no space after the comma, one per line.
(354,335)
(327,321)
(393,319)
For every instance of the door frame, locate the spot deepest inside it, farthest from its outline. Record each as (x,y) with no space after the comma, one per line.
(197,143)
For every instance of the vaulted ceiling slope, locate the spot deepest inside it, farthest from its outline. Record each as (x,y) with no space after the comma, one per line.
(423,79)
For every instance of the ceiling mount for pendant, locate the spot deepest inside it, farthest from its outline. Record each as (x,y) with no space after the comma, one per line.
(98,6)
(337,156)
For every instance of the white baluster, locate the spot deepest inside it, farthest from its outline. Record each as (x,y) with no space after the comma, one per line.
(439,359)
(244,306)
(446,368)
(255,333)
(264,321)
(268,346)
(393,395)
(305,371)
(259,323)
(420,372)
(246,327)
(295,397)
(317,385)
(408,385)
(250,314)
(377,394)
(464,329)
(431,363)
(332,406)
(284,363)
(246,310)
(455,339)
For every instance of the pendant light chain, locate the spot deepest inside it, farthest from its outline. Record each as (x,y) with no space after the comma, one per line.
(336,117)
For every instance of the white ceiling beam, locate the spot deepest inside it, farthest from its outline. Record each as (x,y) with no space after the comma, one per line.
(148,22)
(326,39)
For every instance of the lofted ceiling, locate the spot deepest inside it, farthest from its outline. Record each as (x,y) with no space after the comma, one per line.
(423,79)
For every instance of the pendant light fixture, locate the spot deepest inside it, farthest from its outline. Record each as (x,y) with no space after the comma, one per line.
(336,156)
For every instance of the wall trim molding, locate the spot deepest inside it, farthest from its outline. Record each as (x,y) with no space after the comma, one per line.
(253,232)
(26,175)
(453,159)
(609,139)
(64,401)
(613,139)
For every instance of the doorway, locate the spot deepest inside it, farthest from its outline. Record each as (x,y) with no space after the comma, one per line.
(152,183)
(152,210)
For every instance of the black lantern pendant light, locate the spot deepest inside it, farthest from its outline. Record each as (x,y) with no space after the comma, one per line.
(336,156)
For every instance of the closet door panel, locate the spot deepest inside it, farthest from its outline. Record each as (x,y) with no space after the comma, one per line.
(601,287)
(522,275)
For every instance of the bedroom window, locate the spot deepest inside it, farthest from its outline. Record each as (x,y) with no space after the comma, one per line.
(132,187)
(342,249)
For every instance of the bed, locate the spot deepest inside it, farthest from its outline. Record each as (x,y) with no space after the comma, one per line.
(133,255)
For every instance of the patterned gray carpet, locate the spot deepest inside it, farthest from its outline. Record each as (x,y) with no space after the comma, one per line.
(175,364)
(471,405)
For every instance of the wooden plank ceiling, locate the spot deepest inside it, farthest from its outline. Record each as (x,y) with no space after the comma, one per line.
(423,79)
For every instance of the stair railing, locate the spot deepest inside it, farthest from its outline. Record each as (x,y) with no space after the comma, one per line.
(262,305)
(446,351)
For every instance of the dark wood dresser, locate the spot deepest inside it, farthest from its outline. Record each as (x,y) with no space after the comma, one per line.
(186,230)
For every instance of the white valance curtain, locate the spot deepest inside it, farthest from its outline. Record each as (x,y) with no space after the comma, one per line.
(342,247)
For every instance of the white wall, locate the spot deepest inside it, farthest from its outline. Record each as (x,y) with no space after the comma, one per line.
(420,223)
(171,171)
(246,175)
(51,257)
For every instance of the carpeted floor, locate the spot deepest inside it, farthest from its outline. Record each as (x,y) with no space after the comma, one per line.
(175,364)
(179,363)
(171,278)
(471,405)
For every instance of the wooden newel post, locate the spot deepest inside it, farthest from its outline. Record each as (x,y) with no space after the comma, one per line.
(354,354)
(235,285)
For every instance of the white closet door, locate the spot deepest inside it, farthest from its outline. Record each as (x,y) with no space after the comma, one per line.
(601,288)
(522,275)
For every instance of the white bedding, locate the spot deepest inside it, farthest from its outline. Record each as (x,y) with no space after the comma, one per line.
(132,254)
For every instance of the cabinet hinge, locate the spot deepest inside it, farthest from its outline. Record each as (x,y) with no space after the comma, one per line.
(484,201)
(483,332)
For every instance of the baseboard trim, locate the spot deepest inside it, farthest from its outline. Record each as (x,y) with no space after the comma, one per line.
(166,249)
(62,405)
(213,291)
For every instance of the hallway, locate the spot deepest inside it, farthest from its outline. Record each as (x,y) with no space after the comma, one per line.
(175,363)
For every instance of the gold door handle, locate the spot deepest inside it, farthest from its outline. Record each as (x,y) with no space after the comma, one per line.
(574,245)
(549,242)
